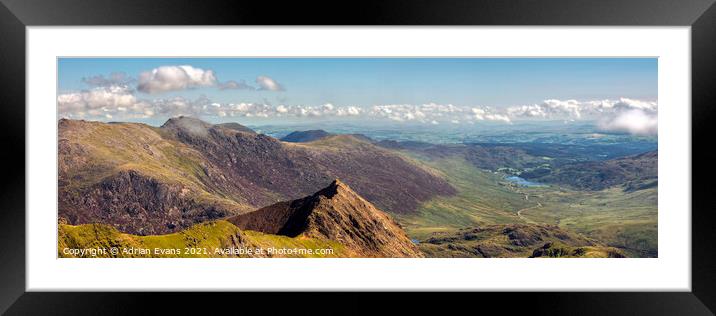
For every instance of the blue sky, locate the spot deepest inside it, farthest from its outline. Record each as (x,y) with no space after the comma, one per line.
(418,90)
(459,81)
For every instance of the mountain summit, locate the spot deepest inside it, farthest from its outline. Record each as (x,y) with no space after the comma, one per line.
(335,213)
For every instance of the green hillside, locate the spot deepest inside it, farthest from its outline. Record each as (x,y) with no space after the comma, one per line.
(481,199)
(210,236)
(515,241)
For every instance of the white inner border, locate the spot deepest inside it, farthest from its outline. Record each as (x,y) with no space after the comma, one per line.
(671,271)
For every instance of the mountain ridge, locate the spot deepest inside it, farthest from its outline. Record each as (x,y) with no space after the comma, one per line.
(305,136)
(337,213)
(191,171)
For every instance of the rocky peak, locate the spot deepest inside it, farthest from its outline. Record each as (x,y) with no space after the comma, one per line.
(188,125)
(334,188)
(337,213)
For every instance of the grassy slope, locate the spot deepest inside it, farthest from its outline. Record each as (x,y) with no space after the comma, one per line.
(624,220)
(209,235)
(131,146)
(481,200)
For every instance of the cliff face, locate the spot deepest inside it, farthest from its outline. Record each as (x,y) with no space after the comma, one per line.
(133,202)
(334,213)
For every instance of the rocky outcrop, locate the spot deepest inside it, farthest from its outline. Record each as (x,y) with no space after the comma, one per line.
(514,240)
(334,213)
(135,203)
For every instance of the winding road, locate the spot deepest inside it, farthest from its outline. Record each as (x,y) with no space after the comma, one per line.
(519,213)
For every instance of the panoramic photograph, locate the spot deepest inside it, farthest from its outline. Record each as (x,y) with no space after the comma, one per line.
(357,157)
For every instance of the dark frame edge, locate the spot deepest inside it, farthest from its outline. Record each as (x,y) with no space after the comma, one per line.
(12,192)
(366,12)
(703,87)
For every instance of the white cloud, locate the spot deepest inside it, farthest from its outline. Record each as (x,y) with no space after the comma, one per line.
(235,85)
(266,83)
(573,109)
(633,121)
(623,115)
(118,102)
(349,111)
(548,109)
(428,112)
(171,78)
(498,117)
(478,114)
(99,102)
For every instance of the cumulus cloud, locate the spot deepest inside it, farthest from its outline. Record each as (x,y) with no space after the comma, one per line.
(623,115)
(172,78)
(235,85)
(478,113)
(119,103)
(633,121)
(268,84)
(548,109)
(102,102)
(629,116)
(429,112)
(573,109)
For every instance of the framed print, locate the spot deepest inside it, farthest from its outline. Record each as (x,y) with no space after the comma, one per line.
(177,148)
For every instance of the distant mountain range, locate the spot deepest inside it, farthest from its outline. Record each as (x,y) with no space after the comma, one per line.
(316,134)
(634,172)
(305,136)
(146,180)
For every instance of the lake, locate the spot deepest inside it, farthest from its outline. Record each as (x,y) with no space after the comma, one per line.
(523,182)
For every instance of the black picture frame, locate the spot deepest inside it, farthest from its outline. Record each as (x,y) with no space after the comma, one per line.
(15,15)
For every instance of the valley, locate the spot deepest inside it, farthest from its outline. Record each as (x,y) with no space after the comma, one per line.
(624,220)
